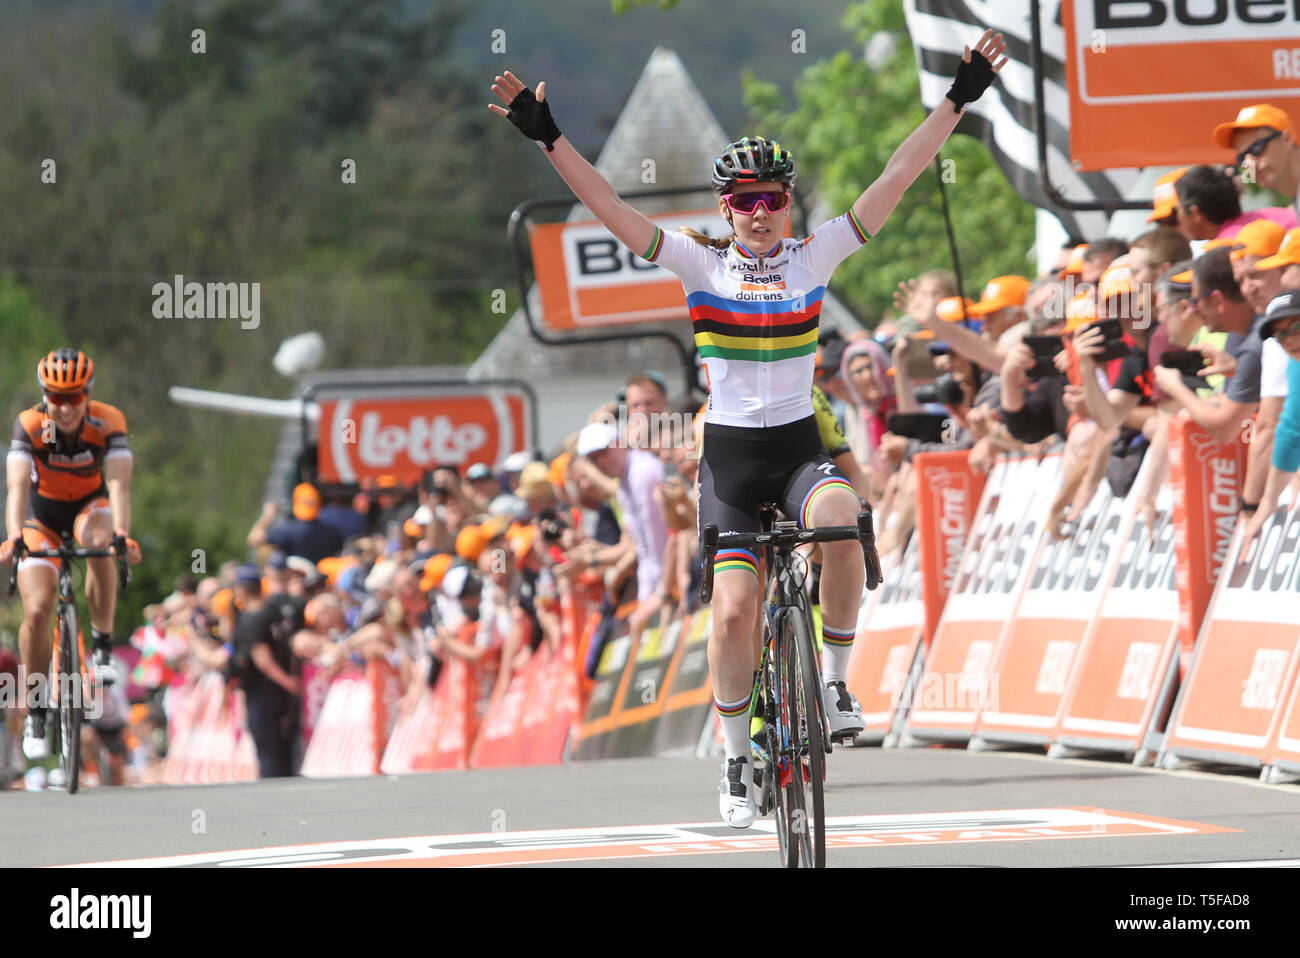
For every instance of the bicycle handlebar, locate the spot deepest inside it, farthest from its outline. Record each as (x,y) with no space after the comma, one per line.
(68,552)
(864,531)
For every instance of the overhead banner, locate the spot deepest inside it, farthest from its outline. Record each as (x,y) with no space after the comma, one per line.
(589,279)
(404,432)
(1150,79)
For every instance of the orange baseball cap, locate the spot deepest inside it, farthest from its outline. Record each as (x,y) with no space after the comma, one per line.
(1165,195)
(223,602)
(1080,311)
(1001,291)
(306,501)
(388,482)
(521,537)
(1260,238)
(1074,263)
(1216,243)
(1288,254)
(470,543)
(1116,281)
(950,309)
(434,569)
(412,528)
(559,468)
(1249,118)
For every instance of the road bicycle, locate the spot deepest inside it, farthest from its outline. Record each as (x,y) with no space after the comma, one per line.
(68,683)
(795,739)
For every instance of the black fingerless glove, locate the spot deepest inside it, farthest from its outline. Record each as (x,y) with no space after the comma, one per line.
(972,80)
(532,117)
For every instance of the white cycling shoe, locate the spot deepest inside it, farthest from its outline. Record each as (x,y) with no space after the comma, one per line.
(843,713)
(736,793)
(35,745)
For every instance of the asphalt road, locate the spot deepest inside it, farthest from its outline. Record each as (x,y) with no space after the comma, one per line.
(909,808)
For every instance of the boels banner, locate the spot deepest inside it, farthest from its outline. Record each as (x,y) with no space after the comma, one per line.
(1150,79)
(404,433)
(588,278)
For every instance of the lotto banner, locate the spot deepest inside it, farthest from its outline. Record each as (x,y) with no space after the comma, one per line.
(888,645)
(1128,664)
(948,492)
(958,682)
(1243,674)
(1206,476)
(1038,651)
(1150,79)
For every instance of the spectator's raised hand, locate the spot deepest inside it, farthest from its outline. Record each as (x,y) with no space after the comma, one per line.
(1074,401)
(1089,343)
(893,448)
(1020,359)
(1221,362)
(1168,379)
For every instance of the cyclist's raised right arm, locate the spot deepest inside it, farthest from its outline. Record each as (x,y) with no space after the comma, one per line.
(633,229)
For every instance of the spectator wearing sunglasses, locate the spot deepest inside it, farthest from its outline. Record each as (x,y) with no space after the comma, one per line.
(1282,323)
(1267,153)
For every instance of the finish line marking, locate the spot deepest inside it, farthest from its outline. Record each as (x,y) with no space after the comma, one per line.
(485,849)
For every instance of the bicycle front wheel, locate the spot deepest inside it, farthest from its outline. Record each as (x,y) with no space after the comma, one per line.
(808,772)
(71,694)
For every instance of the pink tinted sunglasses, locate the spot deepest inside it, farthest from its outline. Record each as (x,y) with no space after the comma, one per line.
(747,203)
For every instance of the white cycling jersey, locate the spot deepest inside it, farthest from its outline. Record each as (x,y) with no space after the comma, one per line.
(756,317)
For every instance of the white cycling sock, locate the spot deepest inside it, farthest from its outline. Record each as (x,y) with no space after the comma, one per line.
(735,726)
(837,648)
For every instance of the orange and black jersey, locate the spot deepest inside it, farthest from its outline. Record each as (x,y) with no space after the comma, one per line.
(68,466)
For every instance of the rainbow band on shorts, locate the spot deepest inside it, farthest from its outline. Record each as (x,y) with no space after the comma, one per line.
(729,559)
(837,637)
(831,482)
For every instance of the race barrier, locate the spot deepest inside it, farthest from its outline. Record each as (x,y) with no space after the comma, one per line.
(1239,695)
(355,721)
(957,681)
(1128,664)
(897,621)
(208,738)
(1038,649)
(654,699)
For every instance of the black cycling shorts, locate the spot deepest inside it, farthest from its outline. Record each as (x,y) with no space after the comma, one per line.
(742,468)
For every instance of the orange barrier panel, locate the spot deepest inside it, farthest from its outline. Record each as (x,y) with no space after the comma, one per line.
(993,570)
(948,492)
(185,757)
(315,686)
(493,747)
(1282,759)
(354,723)
(244,767)
(1237,685)
(417,725)
(1128,665)
(553,711)
(888,645)
(1039,648)
(1206,476)
(180,705)
(456,720)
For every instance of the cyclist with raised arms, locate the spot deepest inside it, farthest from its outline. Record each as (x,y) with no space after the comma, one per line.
(69,469)
(754,300)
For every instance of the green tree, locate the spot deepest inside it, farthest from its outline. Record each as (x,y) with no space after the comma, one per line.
(848,121)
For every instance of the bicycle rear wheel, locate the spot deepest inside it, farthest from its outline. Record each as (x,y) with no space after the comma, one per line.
(808,772)
(71,694)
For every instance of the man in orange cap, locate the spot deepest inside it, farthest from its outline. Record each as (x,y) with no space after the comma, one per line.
(1209,206)
(1257,241)
(1286,259)
(1164,199)
(304,535)
(1264,142)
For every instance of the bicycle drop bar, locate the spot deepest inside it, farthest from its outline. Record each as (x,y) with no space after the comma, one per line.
(864,531)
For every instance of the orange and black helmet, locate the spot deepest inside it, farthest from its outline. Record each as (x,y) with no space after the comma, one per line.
(65,371)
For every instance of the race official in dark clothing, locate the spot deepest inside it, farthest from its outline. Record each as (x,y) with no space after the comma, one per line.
(266,667)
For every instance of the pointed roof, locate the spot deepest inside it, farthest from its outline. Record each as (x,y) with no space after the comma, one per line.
(665,120)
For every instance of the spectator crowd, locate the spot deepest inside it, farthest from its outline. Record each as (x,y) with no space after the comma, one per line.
(1198,317)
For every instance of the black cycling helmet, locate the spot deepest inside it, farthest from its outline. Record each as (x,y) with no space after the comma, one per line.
(754,159)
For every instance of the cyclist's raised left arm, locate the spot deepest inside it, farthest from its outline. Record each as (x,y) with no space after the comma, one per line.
(875,204)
